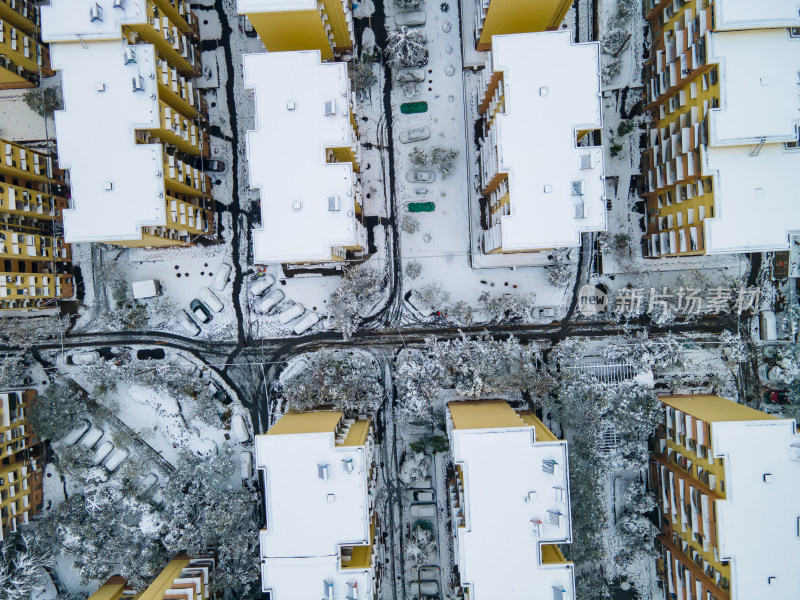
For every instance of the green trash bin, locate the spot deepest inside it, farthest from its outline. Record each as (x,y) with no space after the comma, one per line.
(410,108)
(418,207)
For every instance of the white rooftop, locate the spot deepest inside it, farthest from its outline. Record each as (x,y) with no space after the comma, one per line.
(286,154)
(755,198)
(498,556)
(117,185)
(747,14)
(70,21)
(257,6)
(308,517)
(546,102)
(757,524)
(759,77)
(305,578)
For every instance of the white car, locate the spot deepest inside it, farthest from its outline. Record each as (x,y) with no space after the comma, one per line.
(423,509)
(210,298)
(271,301)
(189,326)
(410,19)
(114,460)
(76,434)
(293,369)
(291,313)
(223,274)
(422,307)
(102,451)
(261,285)
(239,429)
(90,439)
(415,134)
(306,322)
(84,358)
(420,176)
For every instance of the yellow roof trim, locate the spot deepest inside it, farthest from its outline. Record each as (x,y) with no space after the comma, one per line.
(359,431)
(712,409)
(483,414)
(322,421)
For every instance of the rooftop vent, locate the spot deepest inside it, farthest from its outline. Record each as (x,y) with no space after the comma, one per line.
(297,206)
(322,472)
(577,187)
(759,192)
(559,593)
(119,4)
(95,13)
(327,590)
(794,452)
(558,494)
(291,105)
(543,91)
(772,580)
(130,55)
(347,465)
(548,188)
(108,186)
(767,477)
(764,80)
(333,203)
(138,83)
(330,108)
(101,87)
(535,527)
(549,466)
(586,161)
(331,498)
(579,211)
(555,517)
(530,497)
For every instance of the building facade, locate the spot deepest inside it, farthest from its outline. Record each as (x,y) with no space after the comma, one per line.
(286,25)
(23,58)
(184,578)
(321,533)
(542,184)
(725,477)
(20,463)
(723,147)
(36,263)
(501,17)
(133,131)
(310,194)
(510,503)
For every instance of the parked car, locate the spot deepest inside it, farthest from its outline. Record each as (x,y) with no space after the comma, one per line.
(223,274)
(246,464)
(370,304)
(149,482)
(261,285)
(768,325)
(423,509)
(185,321)
(102,451)
(76,434)
(293,369)
(200,311)
(547,312)
(92,437)
(425,588)
(239,429)
(429,572)
(410,19)
(210,298)
(84,358)
(291,313)
(309,320)
(422,484)
(415,134)
(114,460)
(151,354)
(274,298)
(420,176)
(419,495)
(418,303)
(183,363)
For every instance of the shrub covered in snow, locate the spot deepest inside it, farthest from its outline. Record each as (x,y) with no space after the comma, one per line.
(23,566)
(435,296)
(409,224)
(56,411)
(418,157)
(406,48)
(344,304)
(409,4)
(559,275)
(418,379)
(507,307)
(444,159)
(460,313)
(413,268)
(364,76)
(348,380)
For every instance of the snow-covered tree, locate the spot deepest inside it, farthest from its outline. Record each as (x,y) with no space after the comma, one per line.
(419,379)
(409,224)
(414,468)
(435,296)
(444,159)
(23,566)
(419,548)
(56,411)
(460,313)
(348,380)
(409,4)
(418,157)
(75,460)
(413,269)
(21,334)
(508,307)
(406,48)
(344,304)
(364,76)
(559,275)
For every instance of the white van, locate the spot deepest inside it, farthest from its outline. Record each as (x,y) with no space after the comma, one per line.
(114,460)
(186,322)
(768,325)
(210,298)
(223,274)
(271,301)
(295,368)
(84,358)
(147,288)
(261,285)
(91,438)
(306,322)
(73,436)
(291,313)
(103,451)
(239,429)
(415,300)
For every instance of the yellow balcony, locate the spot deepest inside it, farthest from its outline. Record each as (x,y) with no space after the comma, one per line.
(176,90)
(20,162)
(181,132)
(20,201)
(183,216)
(184,179)
(22,14)
(23,51)
(171,44)
(33,247)
(32,287)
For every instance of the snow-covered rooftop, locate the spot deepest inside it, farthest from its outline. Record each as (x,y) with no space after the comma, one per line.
(507,490)
(117,185)
(316,501)
(305,577)
(757,523)
(546,103)
(755,198)
(70,21)
(287,156)
(746,14)
(257,6)
(758,77)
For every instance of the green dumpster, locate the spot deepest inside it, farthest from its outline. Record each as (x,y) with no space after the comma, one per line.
(410,108)
(417,207)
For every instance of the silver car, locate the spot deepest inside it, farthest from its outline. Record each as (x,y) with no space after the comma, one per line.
(415,134)
(418,176)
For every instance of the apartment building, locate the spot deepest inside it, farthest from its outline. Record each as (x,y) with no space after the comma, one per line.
(304,158)
(510,504)
(23,58)
(133,127)
(20,462)
(542,182)
(321,533)
(726,477)
(184,578)
(36,263)
(286,25)
(721,165)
